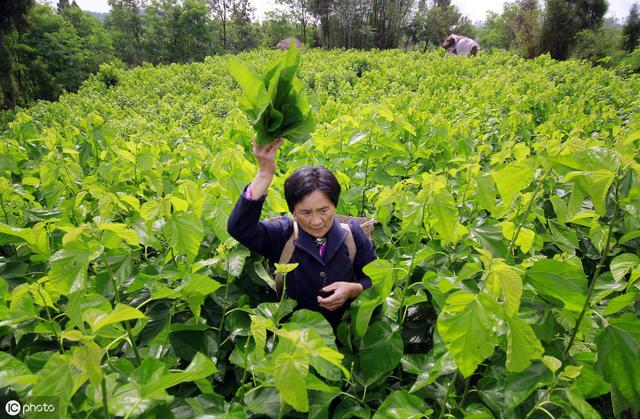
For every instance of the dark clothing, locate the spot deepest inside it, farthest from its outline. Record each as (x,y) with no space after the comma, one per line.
(314,271)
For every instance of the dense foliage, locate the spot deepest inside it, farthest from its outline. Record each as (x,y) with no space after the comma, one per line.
(507,197)
(44,52)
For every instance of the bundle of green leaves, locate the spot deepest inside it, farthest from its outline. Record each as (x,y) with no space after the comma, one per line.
(275,100)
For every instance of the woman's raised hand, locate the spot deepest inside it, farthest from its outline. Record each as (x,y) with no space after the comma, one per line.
(266,155)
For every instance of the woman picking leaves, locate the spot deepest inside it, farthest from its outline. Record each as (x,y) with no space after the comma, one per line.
(327,278)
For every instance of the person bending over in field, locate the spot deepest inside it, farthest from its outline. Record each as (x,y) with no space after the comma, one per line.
(460,45)
(326,279)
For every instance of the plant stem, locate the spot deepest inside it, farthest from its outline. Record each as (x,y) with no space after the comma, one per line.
(46,309)
(366,172)
(525,215)
(341,141)
(224,313)
(542,400)
(105,398)
(605,253)
(446,397)
(244,373)
(464,194)
(467,386)
(413,258)
(4,210)
(281,411)
(116,294)
(284,286)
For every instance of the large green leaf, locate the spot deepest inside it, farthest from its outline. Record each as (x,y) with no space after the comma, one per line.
(513,178)
(444,212)
(621,302)
(519,386)
(69,265)
(88,357)
(184,232)
(401,404)
(14,373)
(563,237)
(504,279)
(55,380)
(187,340)
(381,273)
(590,384)
(584,409)
(618,355)
(522,345)
(596,184)
(561,281)
(200,367)
(429,367)
(623,264)
(121,312)
(381,349)
(467,324)
(252,87)
(122,231)
(324,356)
(196,288)
(263,400)
(486,195)
(289,375)
(35,237)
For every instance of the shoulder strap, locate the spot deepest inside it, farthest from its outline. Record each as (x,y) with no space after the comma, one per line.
(285,256)
(349,242)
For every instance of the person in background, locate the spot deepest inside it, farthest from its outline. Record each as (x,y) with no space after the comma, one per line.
(325,280)
(460,45)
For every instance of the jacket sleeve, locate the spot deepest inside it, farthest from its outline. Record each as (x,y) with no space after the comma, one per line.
(265,238)
(365,253)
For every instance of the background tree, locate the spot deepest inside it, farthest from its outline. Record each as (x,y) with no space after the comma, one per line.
(95,40)
(387,19)
(127,29)
(432,22)
(523,21)
(176,31)
(301,12)
(440,22)
(194,31)
(12,17)
(349,24)
(244,35)
(631,30)
(599,46)
(160,18)
(62,4)
(221,10)
(276,26)
(564,19)
(494,32)
(57,52)
(321,10)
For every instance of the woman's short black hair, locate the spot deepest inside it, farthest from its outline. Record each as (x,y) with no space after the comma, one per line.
(306,179)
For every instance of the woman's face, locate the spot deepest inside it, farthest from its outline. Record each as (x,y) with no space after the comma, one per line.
(315,213)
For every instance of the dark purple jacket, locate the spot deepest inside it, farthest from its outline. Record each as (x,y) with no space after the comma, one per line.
(314,271)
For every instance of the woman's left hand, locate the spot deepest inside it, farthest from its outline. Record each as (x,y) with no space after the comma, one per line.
(342,291)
